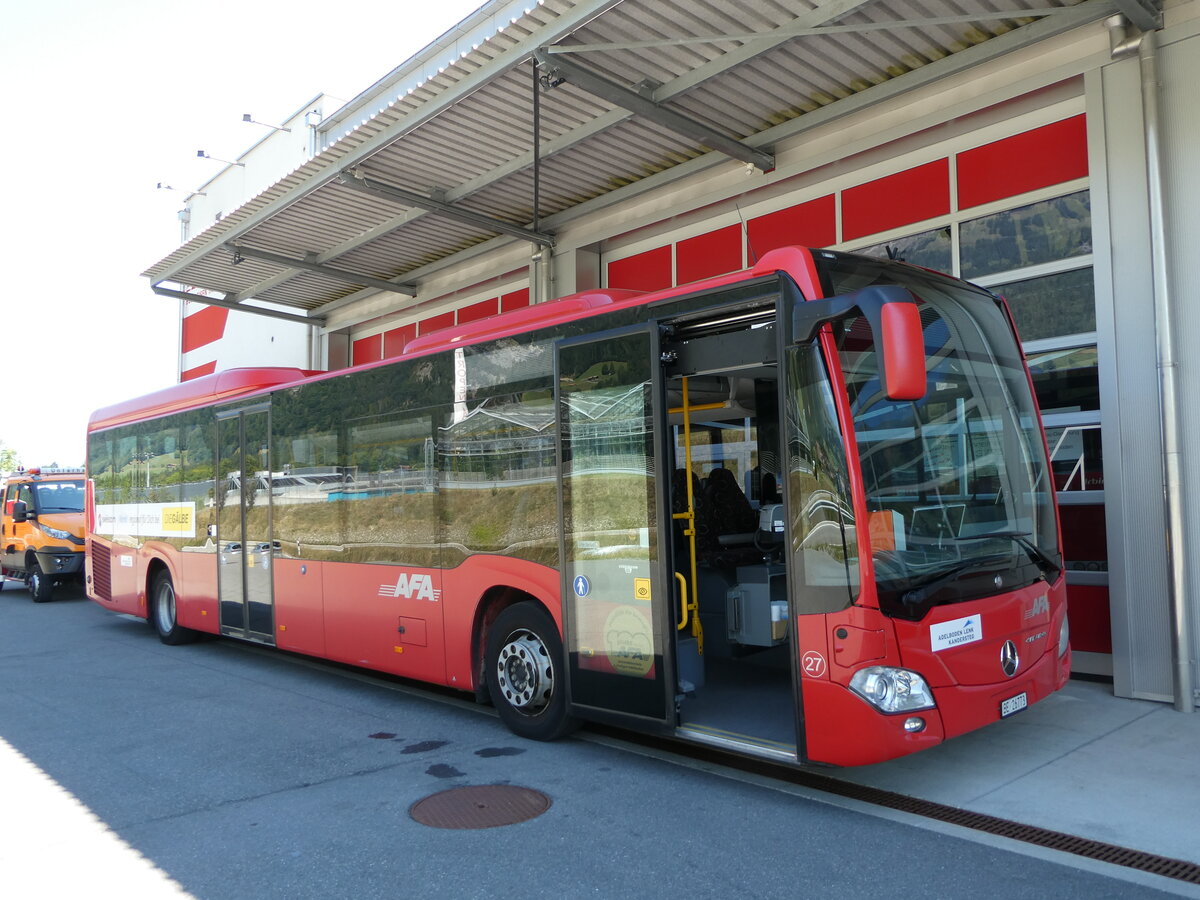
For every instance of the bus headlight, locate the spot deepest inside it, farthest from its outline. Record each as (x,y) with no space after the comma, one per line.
(1064,637)
(892,690)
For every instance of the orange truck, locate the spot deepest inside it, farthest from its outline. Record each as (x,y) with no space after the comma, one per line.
(41,529)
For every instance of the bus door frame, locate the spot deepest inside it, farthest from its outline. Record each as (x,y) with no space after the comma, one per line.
(784,298)
(635,698)
(249,556)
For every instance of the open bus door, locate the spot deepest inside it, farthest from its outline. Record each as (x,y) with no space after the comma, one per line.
(617,615)
(676,597)
(735,644)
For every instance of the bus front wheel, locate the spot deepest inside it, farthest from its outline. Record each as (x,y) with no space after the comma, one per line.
(162,612)
(524,663)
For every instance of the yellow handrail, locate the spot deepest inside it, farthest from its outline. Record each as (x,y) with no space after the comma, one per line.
(700,407)
(693,605)
(683,600)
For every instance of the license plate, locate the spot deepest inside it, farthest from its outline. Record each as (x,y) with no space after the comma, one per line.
(1014,704)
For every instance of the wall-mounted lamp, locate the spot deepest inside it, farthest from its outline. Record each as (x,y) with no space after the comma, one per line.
(246,117)
(166,187)
(203,154)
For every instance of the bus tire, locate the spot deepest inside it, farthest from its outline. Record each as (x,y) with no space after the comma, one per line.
(162,612)
(41,585)
(524,665)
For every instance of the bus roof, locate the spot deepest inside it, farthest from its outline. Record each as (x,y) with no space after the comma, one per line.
(206,389)
(517,321)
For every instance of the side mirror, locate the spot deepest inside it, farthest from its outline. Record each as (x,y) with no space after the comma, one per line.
(20,512)
(895,324)
(903,347)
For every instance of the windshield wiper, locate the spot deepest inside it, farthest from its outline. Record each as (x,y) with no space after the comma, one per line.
(1050,570)
(925,589)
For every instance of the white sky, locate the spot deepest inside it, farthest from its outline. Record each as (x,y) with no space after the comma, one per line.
(107,99)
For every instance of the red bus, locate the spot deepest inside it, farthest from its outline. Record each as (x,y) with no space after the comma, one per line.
(801,512)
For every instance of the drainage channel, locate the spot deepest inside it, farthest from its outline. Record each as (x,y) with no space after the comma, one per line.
(1178,869)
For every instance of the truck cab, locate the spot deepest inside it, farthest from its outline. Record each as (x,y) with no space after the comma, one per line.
(41,529)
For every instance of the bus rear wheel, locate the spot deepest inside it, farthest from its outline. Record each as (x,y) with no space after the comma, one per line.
(41,585)
(162,612)
(524,661)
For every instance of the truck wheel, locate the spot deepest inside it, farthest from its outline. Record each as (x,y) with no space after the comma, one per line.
(41,585)
(524,661)
(162,612)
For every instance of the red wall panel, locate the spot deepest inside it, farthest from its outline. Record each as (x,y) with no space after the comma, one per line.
(1024,162)
(437,323)
(397,339)
(1091,626)
(647,271)
(207,369)
(901,199)
(514,300)
(477,311)
(366,350)
(810,224)
(1083,532)
(204,327)
(706,255)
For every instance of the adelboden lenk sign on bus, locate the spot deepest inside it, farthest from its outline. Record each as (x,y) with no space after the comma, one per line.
(177,520)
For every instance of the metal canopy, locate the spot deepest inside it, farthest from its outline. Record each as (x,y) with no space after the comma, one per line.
(561,69)
(635,94)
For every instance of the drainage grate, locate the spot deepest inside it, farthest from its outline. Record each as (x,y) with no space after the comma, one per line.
(1179,869)
(481,806)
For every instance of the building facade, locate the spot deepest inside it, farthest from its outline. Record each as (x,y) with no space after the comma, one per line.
(1058,173)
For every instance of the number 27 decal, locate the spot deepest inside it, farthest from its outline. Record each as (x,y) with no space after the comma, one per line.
(813,663)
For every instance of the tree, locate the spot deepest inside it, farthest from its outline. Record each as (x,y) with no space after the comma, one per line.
(9,460)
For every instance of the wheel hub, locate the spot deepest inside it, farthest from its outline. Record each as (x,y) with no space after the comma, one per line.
(165,608)
(524,672)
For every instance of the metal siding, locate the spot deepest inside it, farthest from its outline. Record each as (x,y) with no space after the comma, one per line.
(1180,71)
(1138,586)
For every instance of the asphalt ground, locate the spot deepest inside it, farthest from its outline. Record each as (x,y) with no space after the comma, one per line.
(217,770)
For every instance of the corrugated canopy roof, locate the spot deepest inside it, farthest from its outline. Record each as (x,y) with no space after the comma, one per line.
(634,93)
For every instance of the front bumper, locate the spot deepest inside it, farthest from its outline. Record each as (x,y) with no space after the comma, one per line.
(967,707)
(854,733)
(60,561)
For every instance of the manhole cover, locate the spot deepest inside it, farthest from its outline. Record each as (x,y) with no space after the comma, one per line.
(481,806)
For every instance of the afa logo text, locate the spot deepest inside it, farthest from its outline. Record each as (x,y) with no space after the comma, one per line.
(412,585)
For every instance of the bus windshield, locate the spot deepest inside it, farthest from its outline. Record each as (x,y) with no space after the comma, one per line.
(957,483)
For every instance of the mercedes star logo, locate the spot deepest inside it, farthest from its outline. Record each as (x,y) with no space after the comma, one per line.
(1009,660)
